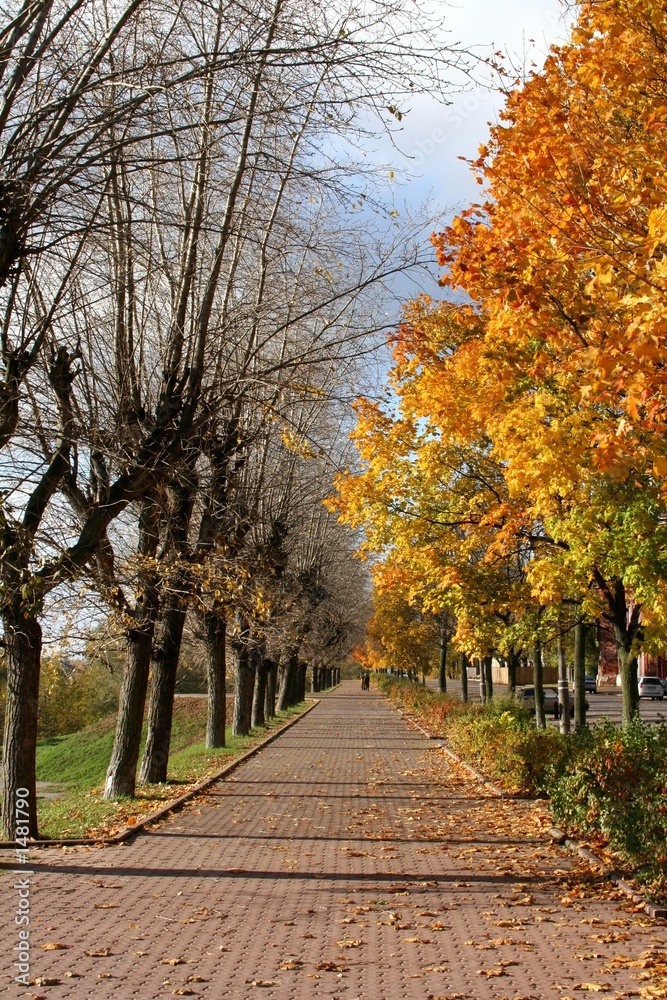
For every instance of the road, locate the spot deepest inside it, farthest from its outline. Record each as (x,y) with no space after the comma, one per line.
(606,703)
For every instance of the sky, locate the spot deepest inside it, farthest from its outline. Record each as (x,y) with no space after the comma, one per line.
(434,137)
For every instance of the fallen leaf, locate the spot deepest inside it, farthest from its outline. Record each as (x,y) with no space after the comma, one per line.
(100,953)
(172,961)
(53,946)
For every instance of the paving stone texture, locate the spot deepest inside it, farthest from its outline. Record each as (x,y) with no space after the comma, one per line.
(349,859)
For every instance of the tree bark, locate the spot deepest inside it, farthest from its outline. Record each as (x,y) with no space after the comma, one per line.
(627,661)
(244,677)
(122,772)
(563,689)
(511,672)
(463,666)
(259,694)
(166,653)
(287,683)
(216,674)
(580,676)
(23,649)
(442,666)
(168,631)
(538,683)
(626,622)
(482,682)
(487,667)
(270,697)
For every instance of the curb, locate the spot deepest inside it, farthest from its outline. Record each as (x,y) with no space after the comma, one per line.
(652,909)
(175,804)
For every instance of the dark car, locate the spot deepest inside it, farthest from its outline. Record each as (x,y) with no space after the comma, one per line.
(590,684)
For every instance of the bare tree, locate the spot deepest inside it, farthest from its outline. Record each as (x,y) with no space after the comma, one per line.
(142,157)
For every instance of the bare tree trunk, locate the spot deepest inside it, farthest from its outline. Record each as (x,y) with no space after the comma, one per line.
(442,668)
(270,697)
(23,648)
(538,684)
(626,621)
(511,672)
(287,683)
(122,773)
(259,694)
(216,673)
(168,633)
(482,683)
(166,653)
(244,676)
(487,669)
(463,665)
(627,660)
(301,693)
(580,676)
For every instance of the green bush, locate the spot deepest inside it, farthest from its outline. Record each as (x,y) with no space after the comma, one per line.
(507,747)
(614,782)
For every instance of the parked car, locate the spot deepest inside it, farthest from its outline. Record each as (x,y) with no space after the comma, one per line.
(651,687)
(526,695)
(591,684)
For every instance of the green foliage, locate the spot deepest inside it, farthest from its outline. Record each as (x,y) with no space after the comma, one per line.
(506,746)
(71,698)
(614,782)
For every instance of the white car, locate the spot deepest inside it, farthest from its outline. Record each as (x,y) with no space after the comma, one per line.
(526,695)
(651,687)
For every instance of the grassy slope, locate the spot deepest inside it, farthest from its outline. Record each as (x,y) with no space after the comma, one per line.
(81,759)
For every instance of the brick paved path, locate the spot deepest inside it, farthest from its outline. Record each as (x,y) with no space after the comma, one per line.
(348,860)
